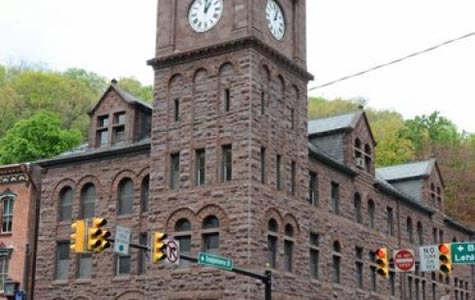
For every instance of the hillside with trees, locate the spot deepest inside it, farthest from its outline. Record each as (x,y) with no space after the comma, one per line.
(44,113)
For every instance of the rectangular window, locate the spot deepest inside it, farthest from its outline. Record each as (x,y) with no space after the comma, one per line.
(314,254)
(119,135)
(312,188)
(441,236)
(392,283)
(227,163)
(434,235)
(62,260)
(418,292)
(200,167)
(434,291)
(211,243)
(409,287)
(288,255)
(120,118)
(336,268)
(103,122)
(374,286)
(292,118)
(390,221)
(263,103)
(84,269)
(185,248)
(102,138)
(423,286)
(142,259)
(176,110)
(227,100)
(263,165)
(174,171)
(335,193)
(359,267)
(293,173)
(277,172)
(272,251)
(7,216)
(122,266)
(4,259)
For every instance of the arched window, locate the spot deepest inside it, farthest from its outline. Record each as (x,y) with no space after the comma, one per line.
(273,229)
(336,262)
(210,235)
(410,233)
(420,233)
(288,247)
(357,203)
(88,201)
(145,194)
(183,236)
(126,197)
(65,204)
(439,197)
(371,213)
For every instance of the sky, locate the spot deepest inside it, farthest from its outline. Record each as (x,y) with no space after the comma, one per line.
(114,38)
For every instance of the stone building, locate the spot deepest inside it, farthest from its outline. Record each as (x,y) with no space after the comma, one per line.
(18,190)
(226,161)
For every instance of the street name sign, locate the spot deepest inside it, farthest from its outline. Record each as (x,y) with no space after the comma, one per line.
(215,261)
(463,253)
(404,260)
(429,256)
(122,240)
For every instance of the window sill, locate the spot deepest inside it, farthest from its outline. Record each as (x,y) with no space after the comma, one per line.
(60,282)
(6,234)
(125,216)
(83,281)
(121,278)
(182,270)
(209,270)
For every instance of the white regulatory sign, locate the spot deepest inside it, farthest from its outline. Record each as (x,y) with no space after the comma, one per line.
(173,252)
(429,256)
(122,240)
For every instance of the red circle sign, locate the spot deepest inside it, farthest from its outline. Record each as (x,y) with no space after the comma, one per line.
(404,260)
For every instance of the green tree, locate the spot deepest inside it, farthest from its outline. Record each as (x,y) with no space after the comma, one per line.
(37,137)
(95,83)
(134,87)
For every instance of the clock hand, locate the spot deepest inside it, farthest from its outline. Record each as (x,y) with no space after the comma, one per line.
(276,14)
(207,5)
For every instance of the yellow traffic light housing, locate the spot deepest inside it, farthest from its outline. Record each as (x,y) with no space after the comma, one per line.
(445,259)
(78,236)
(382,262)
(97,237)
(158,247)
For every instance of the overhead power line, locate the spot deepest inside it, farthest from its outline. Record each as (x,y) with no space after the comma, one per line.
(393,62)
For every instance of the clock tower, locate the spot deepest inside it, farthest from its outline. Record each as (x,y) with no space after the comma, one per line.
(229,145)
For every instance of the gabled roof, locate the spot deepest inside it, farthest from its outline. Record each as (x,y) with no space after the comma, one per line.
(408,171)
(334,124)
(127,97)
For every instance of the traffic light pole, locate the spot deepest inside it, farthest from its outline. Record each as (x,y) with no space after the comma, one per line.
(266,278)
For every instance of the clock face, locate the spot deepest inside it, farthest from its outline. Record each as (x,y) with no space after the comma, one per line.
(205,14)
(275,19)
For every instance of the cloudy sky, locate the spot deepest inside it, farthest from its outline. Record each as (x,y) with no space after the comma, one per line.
(115,38)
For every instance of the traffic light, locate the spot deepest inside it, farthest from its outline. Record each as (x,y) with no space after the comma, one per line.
(158,247)
(78,236)
(445,260)
(97,237)
(382,262)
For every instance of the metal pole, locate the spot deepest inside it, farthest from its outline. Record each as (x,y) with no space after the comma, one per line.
(268,283)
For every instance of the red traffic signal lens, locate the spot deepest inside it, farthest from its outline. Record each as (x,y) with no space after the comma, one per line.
(381,253)
(444,249)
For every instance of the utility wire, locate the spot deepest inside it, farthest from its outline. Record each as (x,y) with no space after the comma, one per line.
(392,62)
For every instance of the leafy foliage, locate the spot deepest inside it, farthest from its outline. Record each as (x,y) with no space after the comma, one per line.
(37,137)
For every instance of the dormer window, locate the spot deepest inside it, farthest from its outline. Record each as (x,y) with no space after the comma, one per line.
(102,135)
(120,119)
(358,154)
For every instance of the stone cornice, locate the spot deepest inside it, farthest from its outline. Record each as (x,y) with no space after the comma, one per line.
(226,47)
(13,174)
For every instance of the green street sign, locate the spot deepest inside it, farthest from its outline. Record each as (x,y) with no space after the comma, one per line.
(215,261)
(463,253)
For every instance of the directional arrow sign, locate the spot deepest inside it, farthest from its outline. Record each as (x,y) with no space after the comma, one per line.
(215,261)
(463,253)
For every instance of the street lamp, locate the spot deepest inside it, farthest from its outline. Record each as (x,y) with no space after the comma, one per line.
(10,287)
